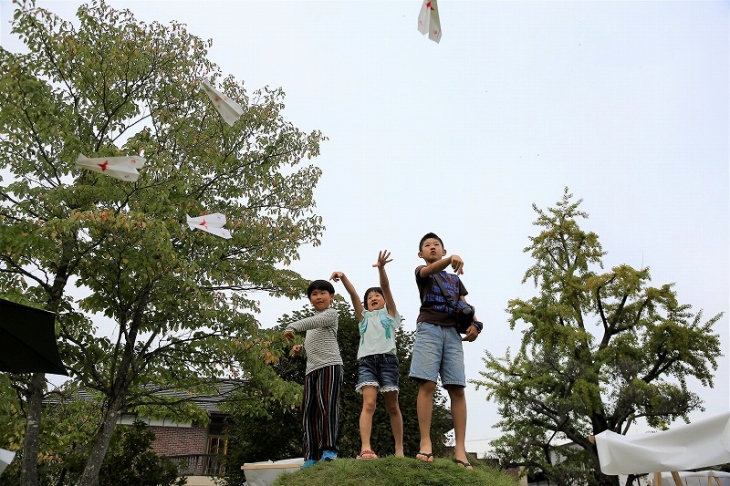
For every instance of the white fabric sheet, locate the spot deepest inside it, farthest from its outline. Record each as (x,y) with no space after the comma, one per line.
(700,444)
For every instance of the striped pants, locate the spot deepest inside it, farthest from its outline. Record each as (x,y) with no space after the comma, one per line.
(321,410)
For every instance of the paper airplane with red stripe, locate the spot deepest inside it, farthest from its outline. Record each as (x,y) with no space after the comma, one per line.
(122,168)
(428,20)
(211,223)
(229,110)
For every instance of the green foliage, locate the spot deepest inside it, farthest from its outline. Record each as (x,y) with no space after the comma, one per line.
(132,461)
(394,471)
(600,351)
(274,431)
(111,85)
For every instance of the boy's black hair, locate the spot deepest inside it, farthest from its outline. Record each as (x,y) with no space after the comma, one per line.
(320,285)
(427,236)
(367,292)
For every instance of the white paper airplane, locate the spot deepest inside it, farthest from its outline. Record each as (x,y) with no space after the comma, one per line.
(229,109)
(212,223)
(428,20)
(6,457)
(122,168)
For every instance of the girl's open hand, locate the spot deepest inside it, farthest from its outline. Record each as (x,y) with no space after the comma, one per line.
(383,259)
(336,276)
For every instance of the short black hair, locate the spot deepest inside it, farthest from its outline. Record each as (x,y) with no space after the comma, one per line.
(367,292)
(320,285)
(427,236)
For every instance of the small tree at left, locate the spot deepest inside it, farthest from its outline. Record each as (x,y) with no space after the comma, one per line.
(179,302)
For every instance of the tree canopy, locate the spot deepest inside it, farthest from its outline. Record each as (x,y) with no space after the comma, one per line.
(86,245)
(600,351)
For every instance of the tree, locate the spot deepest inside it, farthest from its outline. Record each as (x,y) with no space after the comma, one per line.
(274,431)
(115,86)
(601,351)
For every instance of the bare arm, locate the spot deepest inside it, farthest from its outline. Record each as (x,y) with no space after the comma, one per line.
(340,276)
(437,267)
(383,259)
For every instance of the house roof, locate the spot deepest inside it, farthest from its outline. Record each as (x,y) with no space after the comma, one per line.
(208,401)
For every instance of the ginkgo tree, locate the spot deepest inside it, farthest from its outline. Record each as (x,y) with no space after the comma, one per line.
(87,245)
(601,350)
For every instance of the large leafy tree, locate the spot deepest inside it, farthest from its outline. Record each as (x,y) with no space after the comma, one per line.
(110,85)
(600,351)
(274,431)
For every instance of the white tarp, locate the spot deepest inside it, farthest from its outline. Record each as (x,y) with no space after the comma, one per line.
(700,444)
(265,473)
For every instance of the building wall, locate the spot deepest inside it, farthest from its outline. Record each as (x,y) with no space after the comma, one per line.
(177,441)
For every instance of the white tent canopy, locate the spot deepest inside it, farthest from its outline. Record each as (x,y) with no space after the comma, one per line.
(700,444)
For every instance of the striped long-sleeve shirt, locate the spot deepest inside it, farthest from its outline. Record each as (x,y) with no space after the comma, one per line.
(320,344)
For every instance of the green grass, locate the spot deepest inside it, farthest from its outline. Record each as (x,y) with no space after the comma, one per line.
(394,471)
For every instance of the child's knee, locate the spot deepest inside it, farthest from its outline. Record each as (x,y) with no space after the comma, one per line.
(456,392)
(368,406)
(428,387)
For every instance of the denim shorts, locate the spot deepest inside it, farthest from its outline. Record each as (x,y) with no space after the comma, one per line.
(379,370)
(438,351)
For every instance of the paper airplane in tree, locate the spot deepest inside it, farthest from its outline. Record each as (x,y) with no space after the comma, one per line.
(122,168)
(428,20)
(229,109)
(212,223)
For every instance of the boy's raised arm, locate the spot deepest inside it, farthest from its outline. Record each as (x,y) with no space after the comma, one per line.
(383,259)
(340,276)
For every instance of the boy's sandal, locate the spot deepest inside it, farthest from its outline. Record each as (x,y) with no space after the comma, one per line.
(427,456)
(464,464)
(367,454)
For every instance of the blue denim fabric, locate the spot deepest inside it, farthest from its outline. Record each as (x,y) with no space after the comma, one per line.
(379,370)
(438,351)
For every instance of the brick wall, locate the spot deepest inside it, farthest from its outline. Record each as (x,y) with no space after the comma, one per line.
(176,441)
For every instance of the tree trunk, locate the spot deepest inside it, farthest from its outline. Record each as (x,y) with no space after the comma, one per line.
(31,441)
(90,476)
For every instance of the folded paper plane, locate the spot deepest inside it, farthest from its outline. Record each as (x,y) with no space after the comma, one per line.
(228,109)
(122,168)
(212,223)
(428,20)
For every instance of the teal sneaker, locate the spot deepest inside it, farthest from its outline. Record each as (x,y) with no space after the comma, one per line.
(307,463)
(328,455)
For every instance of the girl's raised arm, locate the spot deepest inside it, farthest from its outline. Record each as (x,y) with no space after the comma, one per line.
(383,259)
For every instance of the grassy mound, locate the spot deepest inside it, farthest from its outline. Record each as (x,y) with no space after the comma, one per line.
(394,471)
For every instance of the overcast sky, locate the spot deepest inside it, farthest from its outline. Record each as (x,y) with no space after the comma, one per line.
(626,103)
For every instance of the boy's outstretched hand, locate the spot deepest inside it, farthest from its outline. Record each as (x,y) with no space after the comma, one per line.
(289,336)
(383,259)
(457,264)
(472,333)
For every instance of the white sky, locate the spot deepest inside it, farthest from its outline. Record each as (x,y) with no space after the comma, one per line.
(626,103)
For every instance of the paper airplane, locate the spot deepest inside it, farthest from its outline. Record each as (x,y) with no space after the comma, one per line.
(428,20)
(212,223)
(6,457)
(229,109)
(122,168)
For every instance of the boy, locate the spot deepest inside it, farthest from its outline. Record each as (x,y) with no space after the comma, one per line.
(323,380)
(437,348)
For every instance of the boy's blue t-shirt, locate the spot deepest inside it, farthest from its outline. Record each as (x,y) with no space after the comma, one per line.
(434,307)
